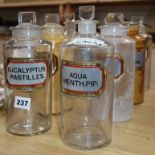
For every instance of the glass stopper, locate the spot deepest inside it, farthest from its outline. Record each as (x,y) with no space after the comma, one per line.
(69,17)
(114,18)
(87,12)
(26,17)
(52,18)
(137,20)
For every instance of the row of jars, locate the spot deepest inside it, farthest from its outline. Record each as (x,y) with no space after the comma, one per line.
(88,78)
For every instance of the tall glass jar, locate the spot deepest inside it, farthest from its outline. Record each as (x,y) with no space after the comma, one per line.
(3,39)
(124,65)
(54,33)
(147,77)
(87,85)
(133,32)
(27,66)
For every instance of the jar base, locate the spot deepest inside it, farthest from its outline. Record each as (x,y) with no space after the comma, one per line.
(28,128)
(86,138)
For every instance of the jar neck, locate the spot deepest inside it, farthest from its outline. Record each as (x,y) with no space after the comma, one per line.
(88,35)
(27,41)
(70,33)
(133,30)
(26,34)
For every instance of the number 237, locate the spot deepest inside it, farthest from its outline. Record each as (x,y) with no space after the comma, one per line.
(22,102)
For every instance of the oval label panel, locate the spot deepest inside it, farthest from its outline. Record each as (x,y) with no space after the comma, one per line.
(83,79)
(26,73)
(139,62)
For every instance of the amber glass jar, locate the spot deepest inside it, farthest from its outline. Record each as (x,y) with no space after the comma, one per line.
(133,32)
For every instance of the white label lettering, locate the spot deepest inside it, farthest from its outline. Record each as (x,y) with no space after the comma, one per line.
(87,41)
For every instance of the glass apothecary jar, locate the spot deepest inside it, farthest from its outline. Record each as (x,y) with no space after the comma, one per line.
(27,66)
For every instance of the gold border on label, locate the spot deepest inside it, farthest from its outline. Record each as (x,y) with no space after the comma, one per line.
(30,60)
(120,58)
(87,94)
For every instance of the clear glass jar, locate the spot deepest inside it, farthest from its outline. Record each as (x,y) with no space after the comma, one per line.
(54,33)
(87,85)
(124,65)
(3,39)
(27,66)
